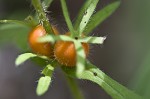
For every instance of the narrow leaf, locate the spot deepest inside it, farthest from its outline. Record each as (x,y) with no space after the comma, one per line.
(16,22)
(100,16)
(93,40)
(24,57)
(80,57)
(43,85)
(67,17)
(113,88)
(141,80)
(88,13)
(81,13)
(52,39)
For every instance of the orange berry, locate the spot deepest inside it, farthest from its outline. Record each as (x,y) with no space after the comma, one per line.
(45,49)
(65,52)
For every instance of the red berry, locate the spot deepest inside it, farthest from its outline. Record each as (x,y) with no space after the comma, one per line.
(45,49)
(65,52)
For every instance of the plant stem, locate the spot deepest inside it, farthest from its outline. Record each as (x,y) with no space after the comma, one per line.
(42,16)
(67,18)
(76,92)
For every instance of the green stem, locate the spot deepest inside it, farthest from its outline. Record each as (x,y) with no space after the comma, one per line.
(42,16)
(74,88)
(67,17)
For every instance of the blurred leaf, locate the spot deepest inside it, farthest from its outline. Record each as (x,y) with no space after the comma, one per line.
(15,34)
(52,38)
(113,88)
(67,17)
(24,57)
(80,57)
(100,16)
(81,13)
(141,82)
(43,85)
(16,22)
(19,14)
(87,15)
(91,39)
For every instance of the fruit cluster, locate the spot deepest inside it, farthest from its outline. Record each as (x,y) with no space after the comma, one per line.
(63,51)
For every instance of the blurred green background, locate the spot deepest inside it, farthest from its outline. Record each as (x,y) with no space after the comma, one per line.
(125,55)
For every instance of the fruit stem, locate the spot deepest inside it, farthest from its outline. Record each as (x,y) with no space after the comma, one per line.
(42,16)
(76,92)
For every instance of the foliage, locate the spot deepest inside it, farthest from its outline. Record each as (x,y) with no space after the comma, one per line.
(86,21)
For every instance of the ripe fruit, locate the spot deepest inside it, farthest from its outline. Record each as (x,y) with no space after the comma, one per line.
(45,49)
(65,52)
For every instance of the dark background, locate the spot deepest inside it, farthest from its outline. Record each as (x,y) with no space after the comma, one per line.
(119,57)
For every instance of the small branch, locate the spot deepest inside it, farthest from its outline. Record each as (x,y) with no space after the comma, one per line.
(42,16)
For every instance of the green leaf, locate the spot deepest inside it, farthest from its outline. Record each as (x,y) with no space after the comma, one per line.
(52,38)
(43,85)
(81,14)
(15,34)
(90,39)
(44,82)
(80,57)
(100,16)
(113,88)
(9,31)
(48,70)
(16,22)
(141,80)
(93,40)
(67,17)
(87,15)
(24,57)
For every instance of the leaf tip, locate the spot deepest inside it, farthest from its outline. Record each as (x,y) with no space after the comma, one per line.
(39,93)
(104,38)
(17,62)
(43,85)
